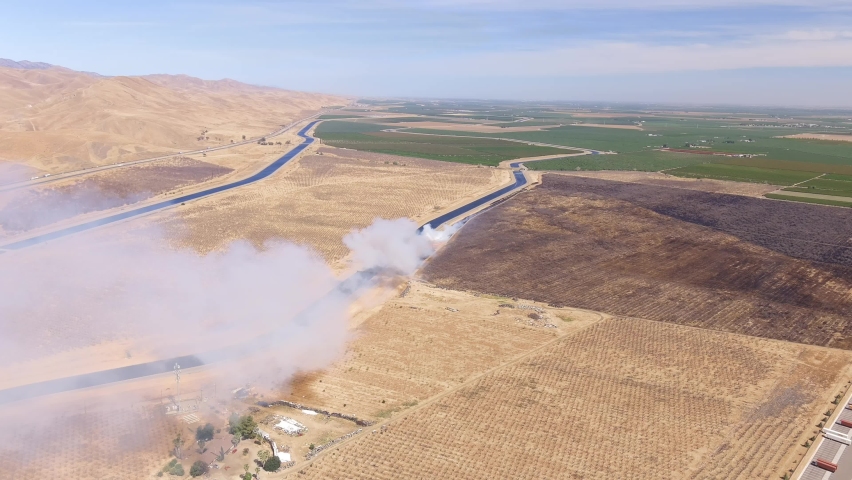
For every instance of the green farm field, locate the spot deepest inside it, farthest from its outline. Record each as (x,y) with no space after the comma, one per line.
(836,185)
(478,151)
(646,161)
(739,173)
(817,201)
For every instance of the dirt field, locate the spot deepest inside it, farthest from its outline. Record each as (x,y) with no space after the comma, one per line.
(405,351)
(415,347)
(663,180)
(822,136)
(320,199)
(675,255)
(624,398)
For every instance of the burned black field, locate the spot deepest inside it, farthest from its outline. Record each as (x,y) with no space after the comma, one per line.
(739,264)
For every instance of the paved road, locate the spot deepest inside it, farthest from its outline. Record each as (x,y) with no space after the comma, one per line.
(520,181)
(346,288)
(88,171)
(269,170)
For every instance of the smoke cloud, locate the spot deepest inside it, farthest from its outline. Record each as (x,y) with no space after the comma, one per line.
(393,245)
(279,306)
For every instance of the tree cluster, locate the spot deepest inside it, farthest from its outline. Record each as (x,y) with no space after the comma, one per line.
(242,427)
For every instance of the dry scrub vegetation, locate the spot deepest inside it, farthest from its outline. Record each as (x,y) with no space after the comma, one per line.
(688,257)
(25,209)
(624,398)
(109,443)
(321,198)
(415,347)
(56,120)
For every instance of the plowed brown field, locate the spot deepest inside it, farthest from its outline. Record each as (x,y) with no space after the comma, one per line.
(724,262)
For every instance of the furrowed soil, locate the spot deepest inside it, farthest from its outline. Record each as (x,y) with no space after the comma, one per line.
(623,398)
(726,262)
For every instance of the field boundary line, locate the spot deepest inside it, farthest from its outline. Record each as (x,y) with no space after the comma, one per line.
(588,151)
(804,181)
(429,401)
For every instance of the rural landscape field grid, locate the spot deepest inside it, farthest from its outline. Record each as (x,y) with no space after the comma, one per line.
(227,281)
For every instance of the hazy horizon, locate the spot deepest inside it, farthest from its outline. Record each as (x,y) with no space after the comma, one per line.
(759,53)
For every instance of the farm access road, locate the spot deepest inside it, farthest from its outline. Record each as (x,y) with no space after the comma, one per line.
(105,377)
(87,171)
(429,401)
(135,212)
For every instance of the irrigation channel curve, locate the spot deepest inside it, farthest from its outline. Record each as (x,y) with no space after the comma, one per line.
(347,286)
(269,170)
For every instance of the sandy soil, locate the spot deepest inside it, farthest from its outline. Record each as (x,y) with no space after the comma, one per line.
(56,120)
(663,180)
(821,136)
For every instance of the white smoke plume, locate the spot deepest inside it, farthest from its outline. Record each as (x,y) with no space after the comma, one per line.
(281,303)
(393,245)
(441,235)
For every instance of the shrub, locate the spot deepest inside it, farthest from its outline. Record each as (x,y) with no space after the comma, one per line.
(170,465)
(205,433)
(245,451)
(272,464)
(243,427)
(198,469)
(177,470)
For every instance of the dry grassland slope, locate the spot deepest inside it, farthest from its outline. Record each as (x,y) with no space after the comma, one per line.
(56,119)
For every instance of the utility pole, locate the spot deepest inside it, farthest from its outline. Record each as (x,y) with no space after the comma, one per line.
(177,380)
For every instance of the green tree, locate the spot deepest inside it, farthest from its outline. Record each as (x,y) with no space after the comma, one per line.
(198,469)
(272,464)
(263,456)
(244,426)
(177,470)
(178,441)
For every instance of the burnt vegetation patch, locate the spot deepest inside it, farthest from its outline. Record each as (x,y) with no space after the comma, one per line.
(32,208)
(758,267)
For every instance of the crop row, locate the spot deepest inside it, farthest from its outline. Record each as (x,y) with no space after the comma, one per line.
(622,398)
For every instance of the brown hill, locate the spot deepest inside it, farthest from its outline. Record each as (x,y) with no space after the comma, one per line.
(55,119)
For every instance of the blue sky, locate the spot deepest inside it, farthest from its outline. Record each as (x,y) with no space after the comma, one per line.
(786,52)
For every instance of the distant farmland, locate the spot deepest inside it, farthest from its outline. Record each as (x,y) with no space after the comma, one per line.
(477,151)
(647,161)
(742,173)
